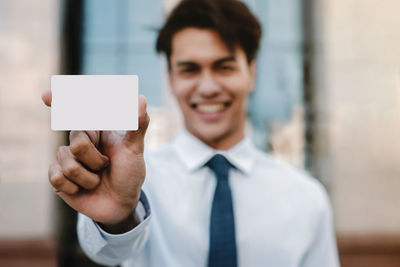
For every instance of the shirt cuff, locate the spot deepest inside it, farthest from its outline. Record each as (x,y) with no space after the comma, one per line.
(142,211)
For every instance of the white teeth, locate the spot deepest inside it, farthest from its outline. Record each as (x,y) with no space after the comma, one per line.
(210,108)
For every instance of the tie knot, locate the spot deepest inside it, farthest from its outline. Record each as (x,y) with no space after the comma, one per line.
(220,165)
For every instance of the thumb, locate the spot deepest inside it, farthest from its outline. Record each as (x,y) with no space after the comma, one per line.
(46,97)
(135,139)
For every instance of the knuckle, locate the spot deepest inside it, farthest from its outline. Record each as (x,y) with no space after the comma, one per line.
(57,180)
(72,170)
(79,146)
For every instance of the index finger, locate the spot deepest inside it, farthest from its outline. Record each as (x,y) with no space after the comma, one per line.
(83,148)
(46,97)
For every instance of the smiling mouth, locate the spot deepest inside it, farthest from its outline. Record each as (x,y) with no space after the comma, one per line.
(210,108)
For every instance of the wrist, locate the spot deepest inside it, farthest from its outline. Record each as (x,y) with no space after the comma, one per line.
(123,220)
(122,226)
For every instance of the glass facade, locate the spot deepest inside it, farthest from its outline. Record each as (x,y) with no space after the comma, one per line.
(118,38)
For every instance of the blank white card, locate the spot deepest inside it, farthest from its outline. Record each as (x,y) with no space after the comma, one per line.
(94,102)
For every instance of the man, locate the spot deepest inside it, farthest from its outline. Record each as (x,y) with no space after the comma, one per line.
(210,198)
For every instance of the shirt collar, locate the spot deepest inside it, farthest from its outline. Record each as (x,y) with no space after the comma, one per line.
(194,153)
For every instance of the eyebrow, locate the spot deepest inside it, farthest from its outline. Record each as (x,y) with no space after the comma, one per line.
(225,59)
(218,62)
(185,63)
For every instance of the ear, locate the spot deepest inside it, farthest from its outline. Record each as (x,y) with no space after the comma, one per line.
(171,80)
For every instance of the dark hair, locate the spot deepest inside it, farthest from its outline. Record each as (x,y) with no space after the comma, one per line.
(231,19)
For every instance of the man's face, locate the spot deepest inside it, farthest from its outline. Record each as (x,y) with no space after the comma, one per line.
(211,85)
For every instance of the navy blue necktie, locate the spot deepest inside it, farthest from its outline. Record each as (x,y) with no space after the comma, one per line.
(222,251)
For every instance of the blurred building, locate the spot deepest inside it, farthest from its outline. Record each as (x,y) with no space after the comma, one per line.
(357,123)
(327,100)
(29,54)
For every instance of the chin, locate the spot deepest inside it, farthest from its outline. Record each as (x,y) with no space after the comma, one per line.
(213,137)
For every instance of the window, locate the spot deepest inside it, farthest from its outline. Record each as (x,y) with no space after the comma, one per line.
(119,37)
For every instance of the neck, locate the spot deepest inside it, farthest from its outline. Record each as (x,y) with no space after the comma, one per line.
(224,142)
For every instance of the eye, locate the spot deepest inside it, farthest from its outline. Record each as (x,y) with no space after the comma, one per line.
(226,67)
(189,70)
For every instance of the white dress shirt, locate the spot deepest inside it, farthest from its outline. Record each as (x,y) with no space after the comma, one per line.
(282,216)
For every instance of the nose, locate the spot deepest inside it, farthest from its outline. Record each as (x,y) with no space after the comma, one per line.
(208,86)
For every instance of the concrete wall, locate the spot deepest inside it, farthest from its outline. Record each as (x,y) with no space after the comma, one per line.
(28,56)
(358,105)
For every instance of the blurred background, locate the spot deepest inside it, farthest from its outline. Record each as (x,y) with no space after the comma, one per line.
(327,100)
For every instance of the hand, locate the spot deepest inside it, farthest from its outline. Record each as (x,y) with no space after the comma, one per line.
(100,174)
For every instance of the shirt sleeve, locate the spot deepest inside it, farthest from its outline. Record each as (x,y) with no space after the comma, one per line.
(112,249)
(323,249)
